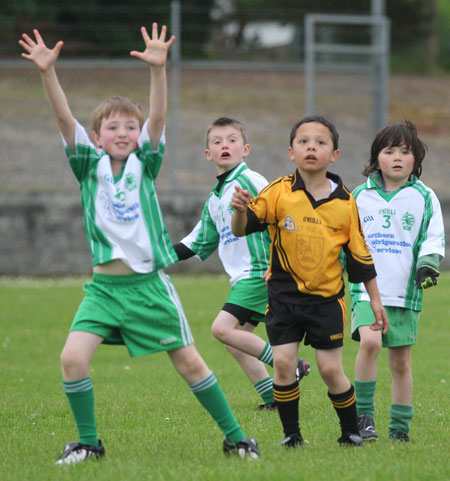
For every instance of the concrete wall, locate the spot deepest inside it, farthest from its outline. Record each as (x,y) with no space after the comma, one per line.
(42,233)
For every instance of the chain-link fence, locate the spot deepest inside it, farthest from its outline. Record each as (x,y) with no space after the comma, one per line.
(268,97)
(268,102)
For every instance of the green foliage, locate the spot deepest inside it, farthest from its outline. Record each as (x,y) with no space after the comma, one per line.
(154,429)
(106,28)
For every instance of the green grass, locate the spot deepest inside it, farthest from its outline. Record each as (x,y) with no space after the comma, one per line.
(154,429)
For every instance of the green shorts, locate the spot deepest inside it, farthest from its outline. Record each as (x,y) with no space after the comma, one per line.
(141,311)
(250,294)
(403,324)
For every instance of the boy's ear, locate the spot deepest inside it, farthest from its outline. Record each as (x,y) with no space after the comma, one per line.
(291,154)
(208,155)
(96,138)
(246,150)
(335,156)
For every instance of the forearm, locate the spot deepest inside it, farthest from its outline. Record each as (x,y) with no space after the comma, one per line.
(158,104)
(372,289)
(60,106)
(381,320)
(239,223)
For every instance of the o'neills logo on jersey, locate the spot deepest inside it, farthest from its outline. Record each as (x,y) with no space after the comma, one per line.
(309,250)
(289,224)
(312,220)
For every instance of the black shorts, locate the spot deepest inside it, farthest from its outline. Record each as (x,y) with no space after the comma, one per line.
(322,325)
(242,314)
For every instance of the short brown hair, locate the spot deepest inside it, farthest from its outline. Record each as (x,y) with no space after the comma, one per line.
(113,105)
(225,121)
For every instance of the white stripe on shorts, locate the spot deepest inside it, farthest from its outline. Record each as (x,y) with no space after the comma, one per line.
(186,334)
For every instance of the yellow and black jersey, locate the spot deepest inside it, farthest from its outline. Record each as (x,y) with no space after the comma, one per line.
(307,238)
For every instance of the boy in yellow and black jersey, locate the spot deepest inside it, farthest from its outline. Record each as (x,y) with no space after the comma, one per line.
(307,236)
(311,216)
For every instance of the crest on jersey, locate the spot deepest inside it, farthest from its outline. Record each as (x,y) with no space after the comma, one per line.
(309,251)
(130,182)
(408,220)
(289,224)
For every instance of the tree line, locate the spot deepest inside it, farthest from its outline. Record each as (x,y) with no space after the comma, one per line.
(110,28)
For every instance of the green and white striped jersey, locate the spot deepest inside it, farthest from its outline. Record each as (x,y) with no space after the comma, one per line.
(242,257)
(400,228)
(122,216)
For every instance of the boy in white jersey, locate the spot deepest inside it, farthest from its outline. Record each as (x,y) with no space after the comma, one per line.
(404,230)
(131,300)
(244,259)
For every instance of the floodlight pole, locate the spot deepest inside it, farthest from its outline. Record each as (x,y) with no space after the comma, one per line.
(175,59)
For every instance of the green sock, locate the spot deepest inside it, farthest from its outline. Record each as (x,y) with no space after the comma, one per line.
(365,402)
(265,389)
(81,399)
(401,415)
(266,355)
(211,397)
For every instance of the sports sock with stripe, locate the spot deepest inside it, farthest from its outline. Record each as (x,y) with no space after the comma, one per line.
(211,397)
(266,356)
(81,399)
(287,398)
(265,389)
(345,405)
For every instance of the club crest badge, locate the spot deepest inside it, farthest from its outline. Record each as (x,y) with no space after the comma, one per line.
(309,250)
(289,224)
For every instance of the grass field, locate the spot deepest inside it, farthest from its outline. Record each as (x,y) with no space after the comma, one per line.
(154,429)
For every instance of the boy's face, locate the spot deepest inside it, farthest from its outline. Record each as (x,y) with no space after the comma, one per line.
(396,163)
(226,148)
(312,148)
(118,135)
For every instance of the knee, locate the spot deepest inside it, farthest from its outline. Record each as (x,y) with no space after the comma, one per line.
(371,345)
(285,367)
(330,372)
(401,365)
(219,331)
(191,365)
(72,362)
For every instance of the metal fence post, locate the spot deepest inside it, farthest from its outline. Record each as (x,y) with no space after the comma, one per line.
(175,57)
(380,68)
(309,66)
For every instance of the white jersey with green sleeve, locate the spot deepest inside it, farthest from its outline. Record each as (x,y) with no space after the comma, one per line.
(242,257)
(122,216)
(400,228)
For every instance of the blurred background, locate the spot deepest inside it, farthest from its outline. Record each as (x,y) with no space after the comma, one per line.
(361,63)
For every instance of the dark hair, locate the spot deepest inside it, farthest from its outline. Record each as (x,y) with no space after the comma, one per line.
(224,122)
(397,135)
(321,120)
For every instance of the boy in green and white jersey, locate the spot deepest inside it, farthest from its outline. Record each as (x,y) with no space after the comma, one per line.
(245,259)
(131,300)
(403,227)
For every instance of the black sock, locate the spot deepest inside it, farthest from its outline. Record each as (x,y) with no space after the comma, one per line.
(287,398)
(345,405)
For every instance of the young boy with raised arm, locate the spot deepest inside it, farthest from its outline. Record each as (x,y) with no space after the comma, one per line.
(131,300)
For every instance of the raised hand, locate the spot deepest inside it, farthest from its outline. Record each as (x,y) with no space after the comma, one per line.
(38,52)
(241,198)
(156,47)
